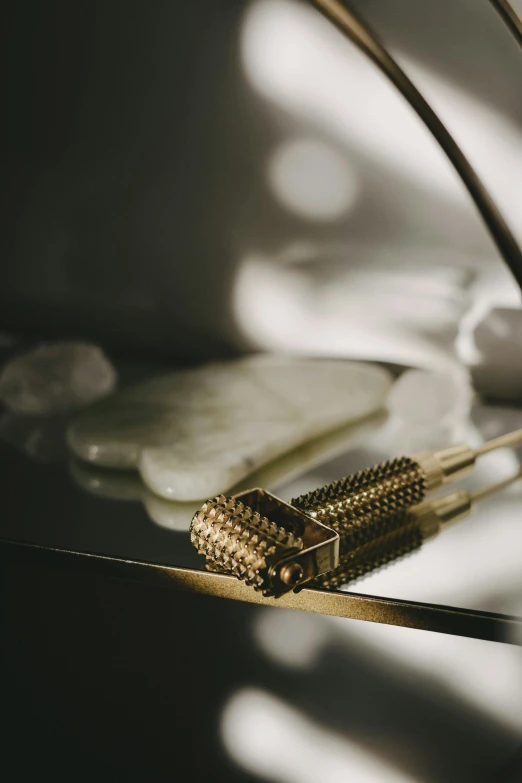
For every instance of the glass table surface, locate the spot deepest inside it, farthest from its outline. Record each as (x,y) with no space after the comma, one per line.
(468,581)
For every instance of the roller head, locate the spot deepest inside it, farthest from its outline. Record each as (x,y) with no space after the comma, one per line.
(237,540)
(268,543)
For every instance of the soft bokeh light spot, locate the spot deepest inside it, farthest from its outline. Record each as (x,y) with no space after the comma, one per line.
(312,179)
(483,674)
(269,738)
(293,639)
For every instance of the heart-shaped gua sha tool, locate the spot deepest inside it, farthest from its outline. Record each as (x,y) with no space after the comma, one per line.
(176,515)
(194,433)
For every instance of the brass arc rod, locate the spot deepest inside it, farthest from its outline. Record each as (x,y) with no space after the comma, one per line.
(354,28)
(510,17)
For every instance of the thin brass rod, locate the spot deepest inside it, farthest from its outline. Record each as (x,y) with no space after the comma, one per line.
(490,626)
(492,489)
(510,440)
(353,27)
(510,17)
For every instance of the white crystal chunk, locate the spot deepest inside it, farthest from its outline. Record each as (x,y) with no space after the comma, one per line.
(55,377)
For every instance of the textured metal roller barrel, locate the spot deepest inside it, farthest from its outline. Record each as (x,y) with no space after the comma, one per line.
(367,497)
(369,511)
(239,541)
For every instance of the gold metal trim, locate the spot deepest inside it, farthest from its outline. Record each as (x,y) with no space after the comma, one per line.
(355,606)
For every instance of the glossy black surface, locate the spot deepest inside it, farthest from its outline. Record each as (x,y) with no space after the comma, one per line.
(44,505)
(51,499)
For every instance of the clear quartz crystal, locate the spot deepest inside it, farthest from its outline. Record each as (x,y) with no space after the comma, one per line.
(55,377)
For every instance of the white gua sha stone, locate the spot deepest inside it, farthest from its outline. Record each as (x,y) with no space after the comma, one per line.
(195,433)
(176,516)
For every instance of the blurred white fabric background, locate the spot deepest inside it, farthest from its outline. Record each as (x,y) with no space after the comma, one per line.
(387,259)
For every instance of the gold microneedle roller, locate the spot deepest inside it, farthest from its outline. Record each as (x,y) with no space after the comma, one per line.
(356,523)
(386,489)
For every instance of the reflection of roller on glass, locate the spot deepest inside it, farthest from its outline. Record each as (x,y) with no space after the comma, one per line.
(343,530)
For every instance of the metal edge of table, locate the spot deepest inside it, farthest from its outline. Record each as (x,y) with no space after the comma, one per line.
(471,623)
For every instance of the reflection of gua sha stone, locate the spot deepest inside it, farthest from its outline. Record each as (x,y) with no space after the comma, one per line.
(196,432)
(128,486)
(176,516)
